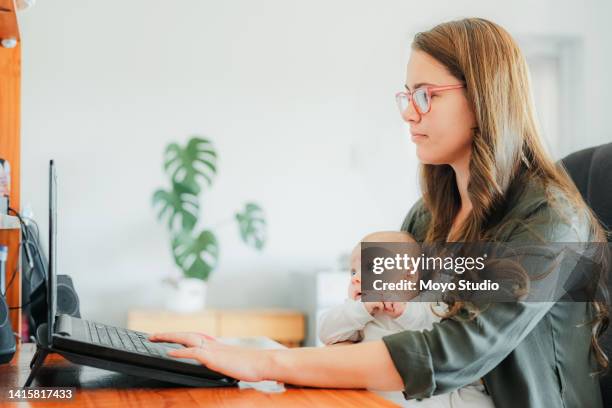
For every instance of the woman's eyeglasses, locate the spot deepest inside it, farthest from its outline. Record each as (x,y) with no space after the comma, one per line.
(421,97)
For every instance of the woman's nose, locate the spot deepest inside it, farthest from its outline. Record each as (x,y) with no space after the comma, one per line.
(356,278)
(410,114)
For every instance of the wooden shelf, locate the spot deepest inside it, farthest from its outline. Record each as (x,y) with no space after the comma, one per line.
(10,149)
(8,20)
(283,326)
(9,222)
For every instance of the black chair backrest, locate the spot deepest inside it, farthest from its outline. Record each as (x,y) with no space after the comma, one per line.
(591,170)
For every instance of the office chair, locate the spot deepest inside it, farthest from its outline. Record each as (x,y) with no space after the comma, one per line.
(591,170)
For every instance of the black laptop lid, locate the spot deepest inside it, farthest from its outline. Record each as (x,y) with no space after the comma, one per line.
(51,277)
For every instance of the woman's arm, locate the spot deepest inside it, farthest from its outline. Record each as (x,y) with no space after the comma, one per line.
(363,365)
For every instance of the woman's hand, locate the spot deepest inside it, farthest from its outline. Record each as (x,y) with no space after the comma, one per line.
(363,365)
(187,339)
(237,362)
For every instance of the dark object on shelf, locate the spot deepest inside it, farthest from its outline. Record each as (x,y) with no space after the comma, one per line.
(7,338)
(67,300)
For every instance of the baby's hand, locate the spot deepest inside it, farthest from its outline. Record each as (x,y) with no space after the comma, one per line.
(374,307)
(394,309)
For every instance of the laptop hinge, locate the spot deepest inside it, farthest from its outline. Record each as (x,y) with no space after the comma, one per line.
(63,325)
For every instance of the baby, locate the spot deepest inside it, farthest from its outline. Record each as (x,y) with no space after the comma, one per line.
(355,321)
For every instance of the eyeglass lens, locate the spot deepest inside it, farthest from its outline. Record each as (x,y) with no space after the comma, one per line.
(420,98)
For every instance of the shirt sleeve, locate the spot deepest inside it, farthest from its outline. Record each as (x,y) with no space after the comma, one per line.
(458,351)
(344,322)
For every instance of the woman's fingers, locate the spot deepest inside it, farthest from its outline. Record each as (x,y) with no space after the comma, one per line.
(236,362)
(187,339)
(195,353)
(241,363)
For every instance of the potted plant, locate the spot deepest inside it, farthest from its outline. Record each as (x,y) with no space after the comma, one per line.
(191,169)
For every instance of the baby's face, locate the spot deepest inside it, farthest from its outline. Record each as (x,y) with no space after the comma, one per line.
(354,289)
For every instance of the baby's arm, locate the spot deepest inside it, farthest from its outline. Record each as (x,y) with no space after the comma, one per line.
(344,322)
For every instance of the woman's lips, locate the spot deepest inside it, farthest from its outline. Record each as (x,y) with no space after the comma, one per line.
(417,137)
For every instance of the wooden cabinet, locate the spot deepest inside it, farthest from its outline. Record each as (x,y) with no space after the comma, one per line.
(281,325)
(10,149)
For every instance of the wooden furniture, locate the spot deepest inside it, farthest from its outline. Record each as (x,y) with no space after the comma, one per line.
(10,81)
(283,326)
(8,20)
(100,388)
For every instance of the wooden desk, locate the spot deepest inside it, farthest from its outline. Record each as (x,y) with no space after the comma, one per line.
(100,388)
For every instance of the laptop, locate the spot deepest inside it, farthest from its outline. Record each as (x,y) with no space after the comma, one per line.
(111,348)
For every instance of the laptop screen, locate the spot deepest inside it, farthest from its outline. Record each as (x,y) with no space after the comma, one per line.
(51,278)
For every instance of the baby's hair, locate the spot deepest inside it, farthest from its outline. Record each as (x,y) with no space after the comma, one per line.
(400,237)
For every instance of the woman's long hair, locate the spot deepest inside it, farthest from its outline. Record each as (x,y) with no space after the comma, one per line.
(506,145)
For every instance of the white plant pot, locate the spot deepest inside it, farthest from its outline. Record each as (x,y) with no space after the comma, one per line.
(186,295)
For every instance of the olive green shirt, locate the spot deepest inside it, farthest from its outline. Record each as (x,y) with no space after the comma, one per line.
(529,354)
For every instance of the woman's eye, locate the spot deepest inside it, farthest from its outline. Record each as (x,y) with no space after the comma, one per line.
(353,272)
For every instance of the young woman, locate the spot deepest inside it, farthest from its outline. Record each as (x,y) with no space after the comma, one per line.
(485,176)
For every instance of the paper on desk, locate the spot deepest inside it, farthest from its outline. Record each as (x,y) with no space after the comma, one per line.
(262,343)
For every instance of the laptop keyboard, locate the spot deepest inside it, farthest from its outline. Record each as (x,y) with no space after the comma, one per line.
(122,339)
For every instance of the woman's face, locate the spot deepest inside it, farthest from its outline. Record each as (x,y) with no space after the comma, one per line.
(444,134)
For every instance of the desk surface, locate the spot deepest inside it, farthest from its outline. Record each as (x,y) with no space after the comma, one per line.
(101,388)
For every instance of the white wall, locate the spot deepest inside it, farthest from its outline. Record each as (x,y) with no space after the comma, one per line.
(298,98)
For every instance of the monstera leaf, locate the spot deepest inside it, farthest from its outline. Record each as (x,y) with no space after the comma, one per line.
(196,256)
(180,202)
(191,168)
(252,225)
(193,164)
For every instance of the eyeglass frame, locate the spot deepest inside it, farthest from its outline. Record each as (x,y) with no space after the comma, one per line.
(428,91)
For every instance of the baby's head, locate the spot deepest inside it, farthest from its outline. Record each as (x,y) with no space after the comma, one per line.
(354,289)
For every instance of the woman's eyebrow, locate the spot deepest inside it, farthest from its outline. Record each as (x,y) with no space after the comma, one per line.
(418,85)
